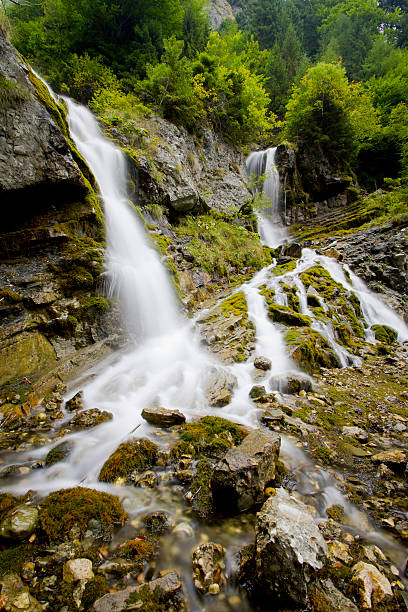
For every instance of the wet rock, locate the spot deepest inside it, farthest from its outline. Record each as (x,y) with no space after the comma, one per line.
(238,480)
(219,386)
(183,530)
(28,570)
(289,547)
(59,453)
(19,523)
(273,416)
(355,432)
(89,418)
(77,569)
(337,551)
(257,391)
(75,403)
(262,363)
(165,591)
(148,480)
(335,512)
(156,523)
(287,316)
(373,587)
(291,384)
(208,567)
(293,250)
(16,596)
(136,455)
(310,350)
(384,333)
(161,417)
(395,459)
(324,597)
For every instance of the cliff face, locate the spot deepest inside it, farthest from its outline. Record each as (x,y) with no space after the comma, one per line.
(51,236)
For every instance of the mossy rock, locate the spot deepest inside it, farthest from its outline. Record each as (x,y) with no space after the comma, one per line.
(201,490)
(235,305)
(94,589)
(139,551)
(284,268)
(287,316)
(58,453)
(310,350)
(64,509)
(384,334)
(135,455)
(12,559)
(292,297)
(209,437)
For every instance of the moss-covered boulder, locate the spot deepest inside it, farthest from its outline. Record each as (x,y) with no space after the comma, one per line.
(384,333)
(287,316)
(135,455)
(58,453)
(310,350)
(209,437)
(75,507)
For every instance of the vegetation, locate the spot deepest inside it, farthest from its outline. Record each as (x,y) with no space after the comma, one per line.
(209,437)
(134,455)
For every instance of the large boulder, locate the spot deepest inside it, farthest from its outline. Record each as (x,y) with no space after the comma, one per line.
(161,417)
(289,547)
(239,479)
(218,387)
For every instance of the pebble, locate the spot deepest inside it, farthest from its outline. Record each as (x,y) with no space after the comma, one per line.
(77,569)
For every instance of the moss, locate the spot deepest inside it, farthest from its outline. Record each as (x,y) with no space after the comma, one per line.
(235,305)
(292,297)
(210,436)
(313,301)
(323,454)
(13,558)
(139,551)
(268,294)
(12,93)
(58,453)
(64,509)
(94,589)
(161,242)
(10,296)
(284,268)
(310,350)
(384,334)
(201,489)
(97,303)
(134,455)
(31,354)
(287,316)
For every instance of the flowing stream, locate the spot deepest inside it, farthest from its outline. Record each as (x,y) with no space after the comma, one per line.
(167,366)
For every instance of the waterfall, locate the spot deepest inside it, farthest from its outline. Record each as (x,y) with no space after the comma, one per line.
(264,176)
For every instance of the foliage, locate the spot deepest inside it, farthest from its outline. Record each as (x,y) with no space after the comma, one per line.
(134,455)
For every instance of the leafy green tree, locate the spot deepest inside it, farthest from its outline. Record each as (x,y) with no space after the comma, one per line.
(196,28)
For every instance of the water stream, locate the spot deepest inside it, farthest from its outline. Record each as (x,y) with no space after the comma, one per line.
(167,366)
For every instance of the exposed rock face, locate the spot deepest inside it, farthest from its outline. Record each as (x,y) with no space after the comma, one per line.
(219,386)
(218,11)
(289,547)
(373,586)
(50,241)
(238,480)
(323,595)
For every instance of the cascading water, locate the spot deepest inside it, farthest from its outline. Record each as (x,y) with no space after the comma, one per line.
(166,365)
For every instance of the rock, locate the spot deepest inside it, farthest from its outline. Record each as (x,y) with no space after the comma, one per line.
(257,391)
(395,459)
(218,387)
(293,250)
(147,480)
(262,363)
(239,479)
(77,569)
(355,432)
(324,597)
(183,530)
(289,547)
(165,591)
(310,350)
(287,316)
(161,417)
(208,567)
(89,418)
(337,551)
(135,455)
(384,333)
(19,523)
(156,523)
(291,384)
(336,512)
(218,11)
(373,587)
(28,570)
(59,453)
(273,416)
(75,403)
(16,596)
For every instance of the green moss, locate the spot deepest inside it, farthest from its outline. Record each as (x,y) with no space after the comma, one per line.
(235,305)
(58,453)
(268,294)
(7,501)
(97,303)
(287,316)
(161,242)
(201,489)
(134,455)
(310,350)
(13,558)
(292,297)
(67,508)
(10,296)
(384,333)
(284,268)
(139,551)
(210,437)
(323,454)
(12,93)
(94,589)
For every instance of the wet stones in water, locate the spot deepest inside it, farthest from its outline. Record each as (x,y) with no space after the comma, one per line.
(218,387)
(373,587)
(147,480)
(262,363)
(208,568)
(289,547)
(75,403)
(257,391)
(156,523)
(239,480)
(19,523)
(89,418)
(59,453)
(136,455)
(162,593)
(384,333)
(323,595)
(161,417)
(292,384)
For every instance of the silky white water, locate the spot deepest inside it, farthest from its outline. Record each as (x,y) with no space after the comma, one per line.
(165,365)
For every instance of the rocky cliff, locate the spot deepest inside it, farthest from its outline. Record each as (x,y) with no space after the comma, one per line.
(51,240)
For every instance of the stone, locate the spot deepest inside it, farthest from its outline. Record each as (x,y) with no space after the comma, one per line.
(395,459)
(292,384)
(59,453)
(337,551)
(167,591)
(257,391)
(262,363)
(293,250)
(289,547)
(77,569)
(218,387)
(355,432)
(16,596)
(161,417)
(373,587)
(157,522)
(208,562)
(75,403)
(324,597)
(89,418)
(239,479)
(19,523)
(28,570)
